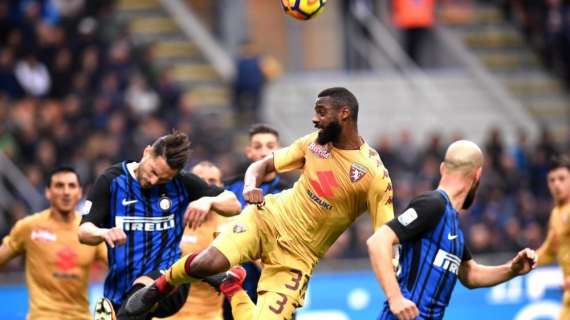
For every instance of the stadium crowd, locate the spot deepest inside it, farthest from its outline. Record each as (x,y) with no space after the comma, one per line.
(74,89)
(546,25)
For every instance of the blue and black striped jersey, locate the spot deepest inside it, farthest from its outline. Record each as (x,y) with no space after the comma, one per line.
(432,250)
(151,218)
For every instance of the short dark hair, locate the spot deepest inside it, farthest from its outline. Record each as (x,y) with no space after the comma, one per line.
(62,169)
(342,97)
(262,128)
(206,164)
(174,147)
(557,162)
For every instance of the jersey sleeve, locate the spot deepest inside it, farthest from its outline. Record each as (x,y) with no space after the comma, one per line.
(198,188)
(466,254)
(379,200)
(291,157)
(547,251)
(422,214)
(96,207)
(16,239)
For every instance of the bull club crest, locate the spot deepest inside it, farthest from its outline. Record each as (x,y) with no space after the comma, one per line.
(357,171)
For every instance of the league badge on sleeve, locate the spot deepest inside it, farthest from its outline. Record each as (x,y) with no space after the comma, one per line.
(408,217)
(357,171)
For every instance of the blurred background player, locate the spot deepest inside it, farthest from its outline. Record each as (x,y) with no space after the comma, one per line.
(290,231)
(57,265)
(204,302)
(556,247)
(140,209)
(263,140)
(427,278)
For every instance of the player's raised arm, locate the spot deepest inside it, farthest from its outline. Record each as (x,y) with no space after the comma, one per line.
(225,204)
(93,229)
(380,249)
(423,214)
(549,249)
(254,176)
(473,275)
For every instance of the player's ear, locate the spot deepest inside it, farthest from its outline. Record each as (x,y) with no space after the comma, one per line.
(147,151)
(248,152)
(344,113)
(47,193)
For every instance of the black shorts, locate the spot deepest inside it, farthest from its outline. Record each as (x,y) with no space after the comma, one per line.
(167,306)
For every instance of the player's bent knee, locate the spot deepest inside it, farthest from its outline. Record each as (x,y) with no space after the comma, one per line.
(209,262)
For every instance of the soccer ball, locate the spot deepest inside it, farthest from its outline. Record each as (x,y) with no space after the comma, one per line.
(303,9)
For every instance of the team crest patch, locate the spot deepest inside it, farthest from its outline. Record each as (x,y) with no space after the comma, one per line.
(164,203)
(320,150)
(357,171)
(239,228)
(408,217)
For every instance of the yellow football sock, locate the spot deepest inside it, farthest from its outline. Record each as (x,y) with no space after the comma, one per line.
(177,275)
(242,306)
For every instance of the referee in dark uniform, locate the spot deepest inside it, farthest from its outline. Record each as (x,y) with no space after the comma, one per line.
(140,209)
(433,254)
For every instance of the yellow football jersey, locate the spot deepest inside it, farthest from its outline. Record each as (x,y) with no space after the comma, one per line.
(204,302)
(57,265)
(336,186)
(556,247)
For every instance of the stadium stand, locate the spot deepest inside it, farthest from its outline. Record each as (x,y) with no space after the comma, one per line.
(110,77)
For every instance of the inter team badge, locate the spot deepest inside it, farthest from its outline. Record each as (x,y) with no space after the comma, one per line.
(164,203)
(357,171)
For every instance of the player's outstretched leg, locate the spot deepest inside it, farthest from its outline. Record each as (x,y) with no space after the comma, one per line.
(189,269)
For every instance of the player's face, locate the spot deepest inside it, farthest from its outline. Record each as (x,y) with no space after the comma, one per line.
(153,170)
(211,175)
(326,119)
(64,192)
(260,145)
(559,184)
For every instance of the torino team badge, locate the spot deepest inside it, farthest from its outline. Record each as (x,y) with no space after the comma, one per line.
(357,171)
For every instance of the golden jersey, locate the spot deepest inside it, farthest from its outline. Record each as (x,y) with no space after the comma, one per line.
(556,247)
(57,265)
(336,186)
(203,302)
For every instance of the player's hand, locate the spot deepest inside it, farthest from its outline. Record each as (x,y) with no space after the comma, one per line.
(253,195)
(403,308)
(197,212)
(523,262)
(114,236)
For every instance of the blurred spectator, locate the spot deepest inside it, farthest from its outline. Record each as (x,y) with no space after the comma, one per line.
(8,82)
(253,70)
(142,100)
(32,75)
(414,18)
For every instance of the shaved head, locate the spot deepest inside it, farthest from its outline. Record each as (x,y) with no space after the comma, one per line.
(461,170)
(463,155)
